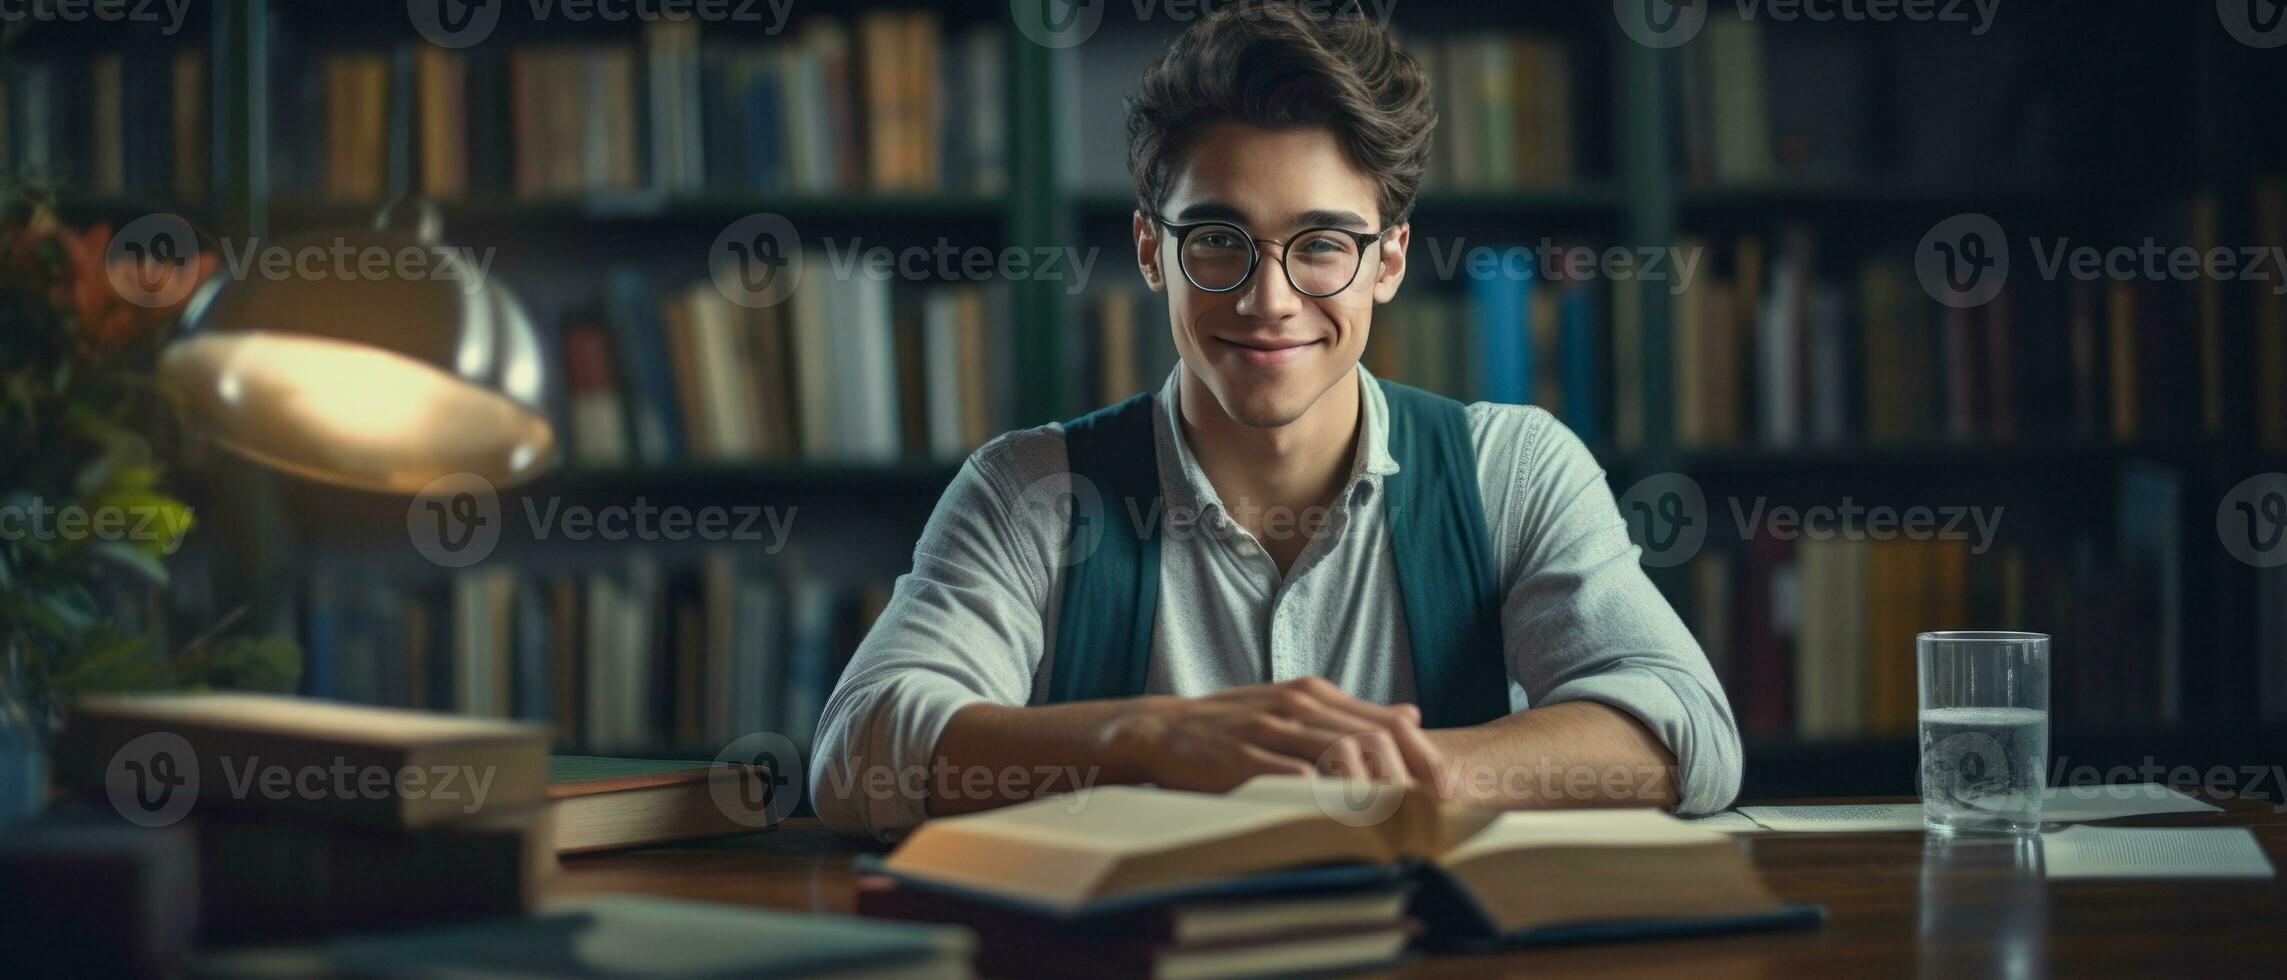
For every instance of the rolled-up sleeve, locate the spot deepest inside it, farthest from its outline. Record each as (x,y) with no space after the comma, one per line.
(965,626)
(1581,621)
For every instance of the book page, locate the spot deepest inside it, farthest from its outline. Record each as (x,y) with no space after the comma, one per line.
(2063,804)
(1833,818)
(1580,828)
(2070,804)
(1119,820)
(2154,852)
(1728,822)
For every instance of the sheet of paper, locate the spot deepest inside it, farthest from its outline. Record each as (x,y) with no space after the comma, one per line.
(2073,804)
(1729,822)
(1837,818)
(2155,852)
(2063,804)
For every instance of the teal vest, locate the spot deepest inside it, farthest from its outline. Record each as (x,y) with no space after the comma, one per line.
(1446,573)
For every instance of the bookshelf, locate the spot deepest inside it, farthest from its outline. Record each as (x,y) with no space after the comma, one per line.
(1631,181)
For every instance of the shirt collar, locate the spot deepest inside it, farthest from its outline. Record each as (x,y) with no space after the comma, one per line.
(1184,483)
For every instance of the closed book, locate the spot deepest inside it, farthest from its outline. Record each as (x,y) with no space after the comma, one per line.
(86,894)
(428,765)
(189,94)
(602,804)
(645,377)
(266,878)
(598,419)
(1281,935)
(620,936)
(441,78)
(1500,312)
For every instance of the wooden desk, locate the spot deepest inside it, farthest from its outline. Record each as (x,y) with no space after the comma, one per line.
(1897,903)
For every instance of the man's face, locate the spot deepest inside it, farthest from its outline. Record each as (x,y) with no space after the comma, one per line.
(1267,351)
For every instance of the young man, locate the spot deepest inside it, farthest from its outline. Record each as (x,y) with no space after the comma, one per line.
(1276,564)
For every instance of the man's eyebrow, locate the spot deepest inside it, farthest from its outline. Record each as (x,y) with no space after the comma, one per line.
(1315,218)
(1331,219)
(1210,211)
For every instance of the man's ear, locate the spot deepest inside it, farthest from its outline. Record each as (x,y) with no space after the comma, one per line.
(1392,268)
(1147,252)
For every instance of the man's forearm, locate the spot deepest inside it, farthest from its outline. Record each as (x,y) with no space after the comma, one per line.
(1573,754)
(1056,749)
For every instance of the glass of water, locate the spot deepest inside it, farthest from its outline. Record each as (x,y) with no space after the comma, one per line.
(1985,731)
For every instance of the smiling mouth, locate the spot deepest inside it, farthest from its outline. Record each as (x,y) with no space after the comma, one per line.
(1269,353)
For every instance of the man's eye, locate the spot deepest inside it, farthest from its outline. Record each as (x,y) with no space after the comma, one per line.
(1216,239)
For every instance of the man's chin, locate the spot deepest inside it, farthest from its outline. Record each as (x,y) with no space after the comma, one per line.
(1266,407)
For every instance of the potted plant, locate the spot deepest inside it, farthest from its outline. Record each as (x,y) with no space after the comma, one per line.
(87,517)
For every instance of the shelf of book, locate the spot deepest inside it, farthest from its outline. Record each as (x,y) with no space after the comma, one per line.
(1593,197)
(902,207)
(1640,369)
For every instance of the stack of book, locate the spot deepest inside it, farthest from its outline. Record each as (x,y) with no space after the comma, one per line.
(1289,875)
(886,104)
(315,817)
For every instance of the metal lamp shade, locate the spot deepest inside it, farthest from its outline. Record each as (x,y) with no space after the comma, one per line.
(382,382)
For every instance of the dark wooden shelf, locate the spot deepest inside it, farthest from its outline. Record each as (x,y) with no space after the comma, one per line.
(646,207)
(1919,456)
(1592,197)
(1867,193)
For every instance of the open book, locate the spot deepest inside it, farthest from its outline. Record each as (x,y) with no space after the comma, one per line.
(1485,875)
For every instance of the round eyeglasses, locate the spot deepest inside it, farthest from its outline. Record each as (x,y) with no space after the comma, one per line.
(1218,256)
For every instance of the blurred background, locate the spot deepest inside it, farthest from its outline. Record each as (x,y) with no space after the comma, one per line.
(1802,179)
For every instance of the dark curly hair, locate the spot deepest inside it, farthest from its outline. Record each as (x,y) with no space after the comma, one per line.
(1275,66)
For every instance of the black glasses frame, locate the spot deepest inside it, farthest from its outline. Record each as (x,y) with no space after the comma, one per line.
(1183,232)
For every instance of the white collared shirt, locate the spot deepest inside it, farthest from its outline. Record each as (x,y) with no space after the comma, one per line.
(975,620)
